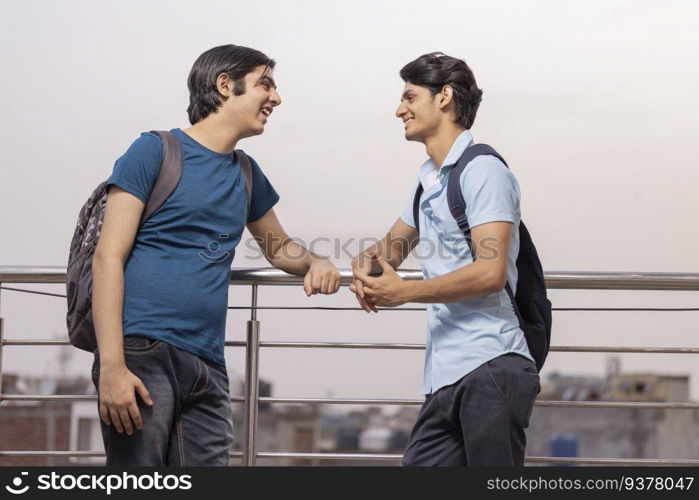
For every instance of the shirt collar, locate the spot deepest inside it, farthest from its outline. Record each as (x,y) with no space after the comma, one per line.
(464,140)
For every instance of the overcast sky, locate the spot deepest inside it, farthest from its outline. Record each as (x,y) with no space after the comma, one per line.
(593,104)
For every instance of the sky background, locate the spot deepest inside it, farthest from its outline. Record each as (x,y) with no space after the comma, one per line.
(594,105)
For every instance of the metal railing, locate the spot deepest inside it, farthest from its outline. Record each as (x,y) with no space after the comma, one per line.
(253,344)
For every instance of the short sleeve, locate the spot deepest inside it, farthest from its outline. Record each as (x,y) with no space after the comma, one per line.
(491,192)
(407,213)
(136,171)
(264,197)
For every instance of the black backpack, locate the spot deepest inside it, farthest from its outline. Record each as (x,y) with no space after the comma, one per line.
(532,307)
(81,330)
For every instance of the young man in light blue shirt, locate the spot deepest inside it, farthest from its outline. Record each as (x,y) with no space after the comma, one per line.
(480,380)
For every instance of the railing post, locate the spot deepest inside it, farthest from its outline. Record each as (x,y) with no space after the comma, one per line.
(252,382)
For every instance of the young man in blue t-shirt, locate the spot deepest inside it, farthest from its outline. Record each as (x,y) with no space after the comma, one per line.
(160,291)
(480,380)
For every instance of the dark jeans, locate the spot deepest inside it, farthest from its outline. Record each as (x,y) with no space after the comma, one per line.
(190,422)
(480,419)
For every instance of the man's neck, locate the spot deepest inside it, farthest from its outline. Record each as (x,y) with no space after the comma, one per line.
(212,133)
(439,144)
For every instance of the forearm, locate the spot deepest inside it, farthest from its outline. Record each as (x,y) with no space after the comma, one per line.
(470,282)
(293,258)
(393,250)
(107,308)
(367,255)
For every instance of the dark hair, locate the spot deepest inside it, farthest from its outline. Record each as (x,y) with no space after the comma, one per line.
(235,61)
(435,70)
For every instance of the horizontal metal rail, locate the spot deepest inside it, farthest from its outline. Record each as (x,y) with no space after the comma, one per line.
(384,457)
(396,309)
(30,398)
(53,342)
(638,405)
(390,345)
(542,460)
(34,453)
(273,276)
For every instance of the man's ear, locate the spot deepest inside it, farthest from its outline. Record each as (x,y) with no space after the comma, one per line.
(446,96)
(224,85)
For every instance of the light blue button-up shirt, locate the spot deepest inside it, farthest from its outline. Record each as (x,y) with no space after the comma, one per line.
(461,336)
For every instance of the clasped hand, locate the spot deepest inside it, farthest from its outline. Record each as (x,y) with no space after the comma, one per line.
(387,290)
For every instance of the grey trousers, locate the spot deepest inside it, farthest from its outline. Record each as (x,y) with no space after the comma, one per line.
(190,422)
(480,419)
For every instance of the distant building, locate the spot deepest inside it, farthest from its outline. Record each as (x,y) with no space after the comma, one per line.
(587,432)
(376,437)
(617,432)
(37,426)
(75,425)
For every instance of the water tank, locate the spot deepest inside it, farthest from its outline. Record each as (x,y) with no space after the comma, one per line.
(563,445)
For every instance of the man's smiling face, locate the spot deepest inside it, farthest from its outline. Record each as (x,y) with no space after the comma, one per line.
(252,109)
(419,111)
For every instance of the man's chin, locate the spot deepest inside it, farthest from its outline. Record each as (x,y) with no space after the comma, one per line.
(256,129)
(411,136)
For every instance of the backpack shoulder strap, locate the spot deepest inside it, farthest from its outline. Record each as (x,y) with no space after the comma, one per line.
(416,207)
(455,197)
(246,168)
(169,175)
(457,203)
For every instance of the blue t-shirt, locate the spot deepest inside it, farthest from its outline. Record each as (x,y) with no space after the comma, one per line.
(177,276)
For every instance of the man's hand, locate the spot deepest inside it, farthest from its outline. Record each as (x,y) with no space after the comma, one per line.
(364,264)
(117,400)
(322,277)
(389,289)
